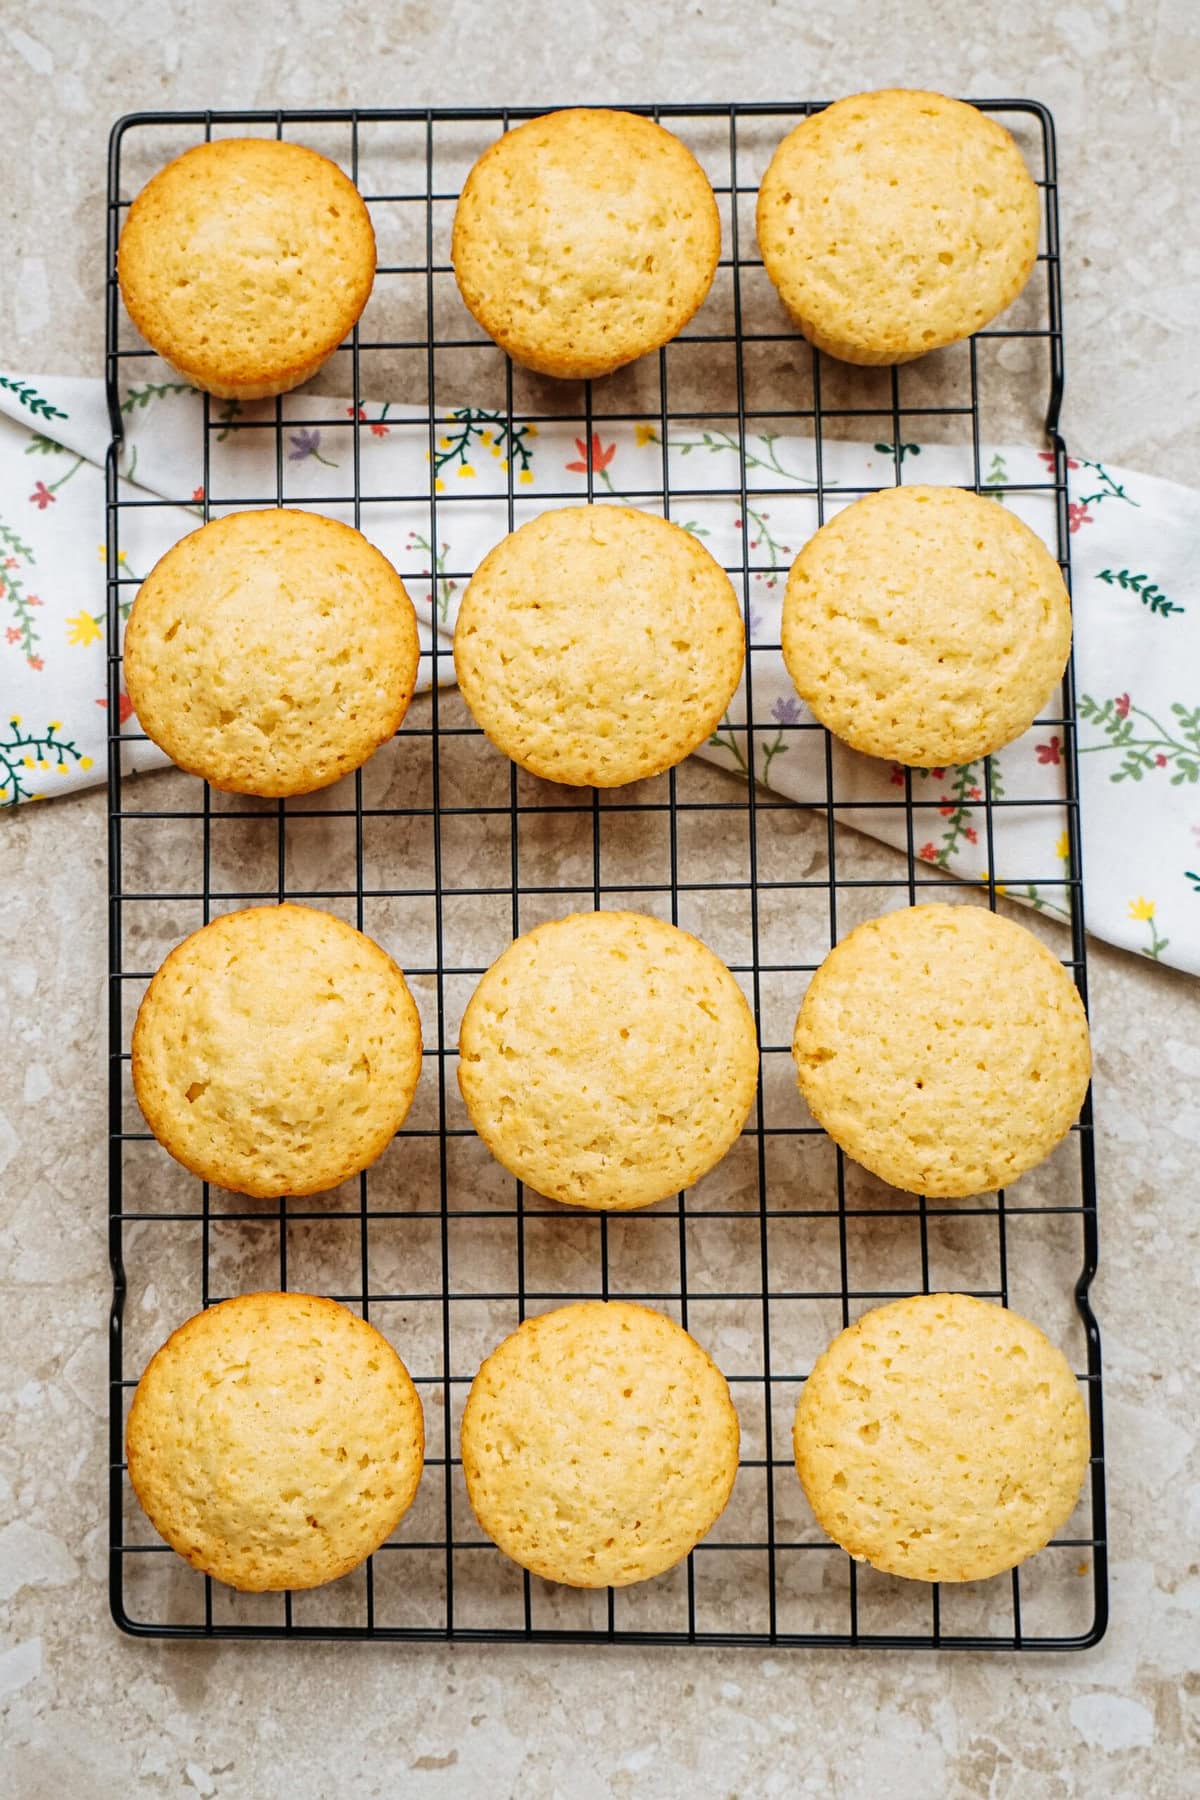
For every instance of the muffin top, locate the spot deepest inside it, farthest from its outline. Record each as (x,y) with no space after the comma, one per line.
(895,222)
(608,1059)
(942,1438)
(275,1440)
(585,238)
(271,652)
(599,1444)
(944,1048)
(598,645)
(276,1051)
(926,624)
(245,262)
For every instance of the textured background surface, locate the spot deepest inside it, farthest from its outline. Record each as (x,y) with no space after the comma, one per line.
(85,1712)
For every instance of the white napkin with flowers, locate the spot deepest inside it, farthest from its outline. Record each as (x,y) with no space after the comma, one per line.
(1136,567)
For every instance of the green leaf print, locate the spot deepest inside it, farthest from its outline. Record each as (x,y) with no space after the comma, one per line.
(1145,746)
(1147,591)
(26,754)
(29,397)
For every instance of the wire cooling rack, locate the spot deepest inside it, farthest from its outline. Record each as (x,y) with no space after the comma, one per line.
(444,851)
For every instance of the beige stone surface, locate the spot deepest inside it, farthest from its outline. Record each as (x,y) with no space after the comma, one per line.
(86,1712)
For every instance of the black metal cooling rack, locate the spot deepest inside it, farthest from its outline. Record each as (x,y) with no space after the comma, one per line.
(434,1244)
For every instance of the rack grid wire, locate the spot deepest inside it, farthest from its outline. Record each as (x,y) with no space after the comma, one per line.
(783,1245)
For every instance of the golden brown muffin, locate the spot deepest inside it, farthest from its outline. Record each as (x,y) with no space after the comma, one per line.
(599,1444)
(895,222)
(598,645)
(608,1059)
(276,1051)
(275,1441)
(926,624)
(585,238)
(245,262)
(944,1048)
(942,1438)
(271,652)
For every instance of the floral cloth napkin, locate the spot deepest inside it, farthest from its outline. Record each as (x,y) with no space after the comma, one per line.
(1135,554)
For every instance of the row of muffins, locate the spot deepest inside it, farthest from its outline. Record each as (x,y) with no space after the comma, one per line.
(609,1059)
(891,223)
(277,1439)
(273,652)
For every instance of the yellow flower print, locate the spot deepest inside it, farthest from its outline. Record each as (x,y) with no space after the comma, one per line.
(1141,909)
(439,486)
(645,434)
(1062,848)
(485,437)
(999,885)
(103,550)
(54,725)
(466,472)
(85,762)
(82,629)
(526,476)
(531,431)
(60,768)
(14,718)
(495,449)
(443,443)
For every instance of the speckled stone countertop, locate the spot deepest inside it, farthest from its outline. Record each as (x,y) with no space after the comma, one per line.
(86,1712)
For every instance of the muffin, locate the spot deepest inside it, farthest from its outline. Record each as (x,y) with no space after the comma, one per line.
(271,652)
(583,239)
(895,222)
(926,624)
(276,1051)
(275,1441)
(598,645)
(941,1438)
(944,1048)
(608,1059)
(599,1444)
(245,262)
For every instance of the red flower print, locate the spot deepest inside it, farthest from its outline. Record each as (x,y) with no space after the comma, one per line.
(1077,515)
(198,493)
(35,662)
(1160,761)
(1047,456)
(1121,706)
(1051,752)
(974,793)
(938,774)
(600,456)
(10,562)
(32,600)
(12,634)
(971,835)
(927,853)
(378,430)
(897,775)
(124,706)
(41,496)
(946,810)
(362,412)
